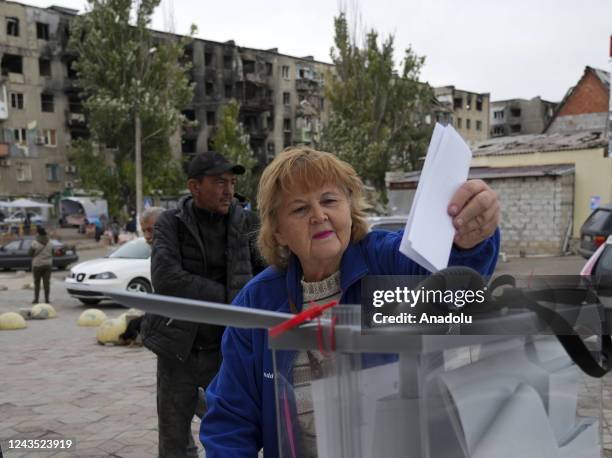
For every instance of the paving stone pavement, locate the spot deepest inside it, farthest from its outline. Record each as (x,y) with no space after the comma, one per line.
(57,382)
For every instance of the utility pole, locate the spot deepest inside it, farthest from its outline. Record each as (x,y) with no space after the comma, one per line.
(138,159)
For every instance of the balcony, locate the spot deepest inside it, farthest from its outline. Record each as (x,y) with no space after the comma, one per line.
(305,84)
(257,104)
(76,119)
(304,135)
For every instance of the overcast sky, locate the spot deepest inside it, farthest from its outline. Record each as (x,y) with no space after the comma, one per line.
(518,48)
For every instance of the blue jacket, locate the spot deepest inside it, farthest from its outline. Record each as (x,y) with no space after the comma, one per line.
(241,416)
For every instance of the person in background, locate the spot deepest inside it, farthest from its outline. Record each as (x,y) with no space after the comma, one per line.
(41,252)
(27,223)
(148,220)
(204,249)
(115,230)
(130,226)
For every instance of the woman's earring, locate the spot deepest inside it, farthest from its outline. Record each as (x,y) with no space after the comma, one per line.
(283,252)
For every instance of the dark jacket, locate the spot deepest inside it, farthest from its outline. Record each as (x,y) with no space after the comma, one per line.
(178,268)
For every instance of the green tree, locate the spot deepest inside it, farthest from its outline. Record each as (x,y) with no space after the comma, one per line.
(133,85)
(377,121)
(230,140)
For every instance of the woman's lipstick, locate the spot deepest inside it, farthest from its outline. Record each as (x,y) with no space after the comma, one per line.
(322,235)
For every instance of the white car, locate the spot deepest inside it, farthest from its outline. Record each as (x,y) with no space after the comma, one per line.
(19,216)
(387,223)
(128,268)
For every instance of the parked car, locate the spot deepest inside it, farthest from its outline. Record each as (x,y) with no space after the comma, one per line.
(595,230)
(598,271)
(18,217)
(128,267)
(387,223)
(14,254)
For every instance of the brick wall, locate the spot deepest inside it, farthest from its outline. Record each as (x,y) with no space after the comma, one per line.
(590,96)
(535,213)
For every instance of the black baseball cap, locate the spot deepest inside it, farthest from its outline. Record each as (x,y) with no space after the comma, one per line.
(212,163)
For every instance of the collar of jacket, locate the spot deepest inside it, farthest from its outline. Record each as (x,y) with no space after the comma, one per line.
(186,213)
(353,267)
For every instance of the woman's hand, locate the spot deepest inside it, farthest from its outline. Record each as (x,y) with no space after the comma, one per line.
(476,213)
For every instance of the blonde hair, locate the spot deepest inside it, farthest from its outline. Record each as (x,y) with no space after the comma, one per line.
(305,169)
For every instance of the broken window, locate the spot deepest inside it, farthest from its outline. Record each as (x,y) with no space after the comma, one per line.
(478,125)
(44,67)
(75,104)
(42,31)
(499,114)
(269,68)
(71,72)
(16,100)
(49,137)
(468,124)
(210,118)
(286,139)
(24,172)
(479,103)
(286,98)
(189,115)
(12,26)
(458,102)
(458,123)
(46,103)
(468,102)
(11,63)
(209,88)
(228,91)
(516,112)
(52,172)
(285,71)
(19,135)
(248,66)
(515,128)
(208,58)
(498,130)
(188,146)
(227,61)
(287,125)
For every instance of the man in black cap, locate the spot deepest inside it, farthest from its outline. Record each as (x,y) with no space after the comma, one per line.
(205,249)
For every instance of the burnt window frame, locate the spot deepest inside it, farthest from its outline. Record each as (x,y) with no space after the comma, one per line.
(42,31)
(48,103)
(12,22)
(44,63)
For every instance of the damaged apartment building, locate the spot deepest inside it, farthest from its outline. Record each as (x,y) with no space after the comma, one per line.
(39,108)
(281,99)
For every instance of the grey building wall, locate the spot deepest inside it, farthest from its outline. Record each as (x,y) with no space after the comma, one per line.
(576,123)
(520,116)
(536,212)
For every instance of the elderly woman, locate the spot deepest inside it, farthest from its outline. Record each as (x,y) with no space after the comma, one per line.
(315,237)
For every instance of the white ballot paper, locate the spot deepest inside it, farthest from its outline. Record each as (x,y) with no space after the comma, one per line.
(429,233)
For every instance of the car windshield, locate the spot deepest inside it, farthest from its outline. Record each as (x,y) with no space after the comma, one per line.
(136,249)
(604,264)
(393,227)
(597,221)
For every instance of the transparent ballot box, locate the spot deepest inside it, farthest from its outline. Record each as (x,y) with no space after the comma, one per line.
(342,392)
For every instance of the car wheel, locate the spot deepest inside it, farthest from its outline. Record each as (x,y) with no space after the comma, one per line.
(139,285)
(89,301)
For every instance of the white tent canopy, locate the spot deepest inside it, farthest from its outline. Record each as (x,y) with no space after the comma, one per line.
(25,203)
